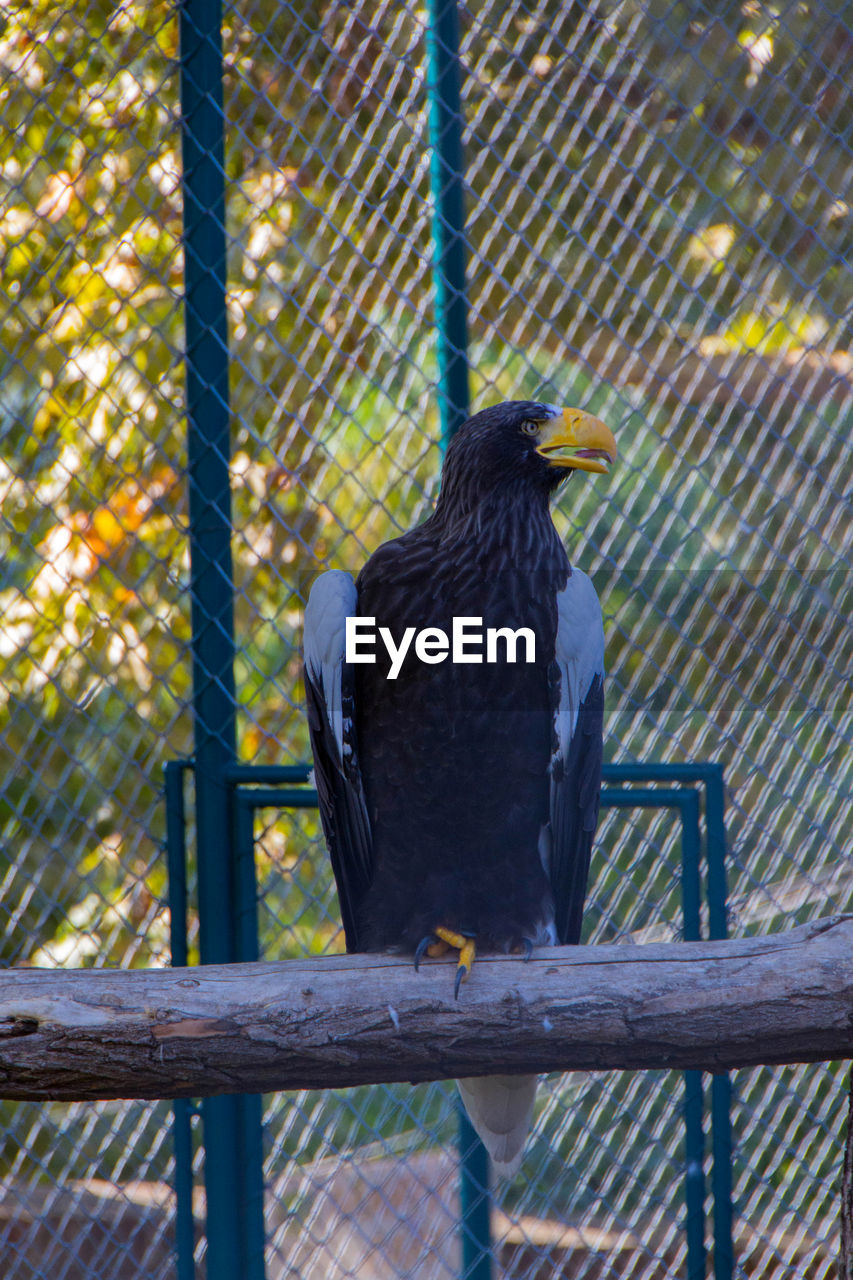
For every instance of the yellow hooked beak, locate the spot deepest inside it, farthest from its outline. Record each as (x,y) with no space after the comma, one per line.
(577,439)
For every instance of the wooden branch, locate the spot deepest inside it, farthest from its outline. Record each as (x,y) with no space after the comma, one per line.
(348,1020)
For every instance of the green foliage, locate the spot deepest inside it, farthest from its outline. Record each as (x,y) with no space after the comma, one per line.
(710,143)
(669,173)
(92,546)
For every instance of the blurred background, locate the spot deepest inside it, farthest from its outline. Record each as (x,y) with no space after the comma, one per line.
(659,228)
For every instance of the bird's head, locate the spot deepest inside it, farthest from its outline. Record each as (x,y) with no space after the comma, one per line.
(524,445)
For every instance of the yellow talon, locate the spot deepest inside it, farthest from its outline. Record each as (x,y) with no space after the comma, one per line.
(467,950)
(457,940)
(466,956)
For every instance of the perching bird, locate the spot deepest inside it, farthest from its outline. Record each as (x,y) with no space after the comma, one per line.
(459,799)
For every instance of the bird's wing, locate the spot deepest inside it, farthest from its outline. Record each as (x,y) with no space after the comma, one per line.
(329,692)
(577,700)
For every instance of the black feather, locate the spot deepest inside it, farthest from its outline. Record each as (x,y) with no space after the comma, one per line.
(436,817)
(340,797)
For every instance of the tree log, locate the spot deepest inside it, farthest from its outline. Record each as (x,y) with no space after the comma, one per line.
(349,1020)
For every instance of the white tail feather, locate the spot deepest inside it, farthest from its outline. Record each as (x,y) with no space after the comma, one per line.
(501,1110)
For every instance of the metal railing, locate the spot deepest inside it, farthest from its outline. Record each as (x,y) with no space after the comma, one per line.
(238,1179)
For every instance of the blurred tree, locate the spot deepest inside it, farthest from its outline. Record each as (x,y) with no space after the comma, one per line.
(655,191)
(651,176)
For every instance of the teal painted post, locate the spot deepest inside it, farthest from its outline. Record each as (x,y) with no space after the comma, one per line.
(711,777)
(250,1105)
(248,947)
(451,315)
(474,1201)
(448,217)
(687,803)
(209,449)
(176,860)
(721,1085)
(279,787)
(176,865)
(694,1175)
(694,1137)
(226,1139)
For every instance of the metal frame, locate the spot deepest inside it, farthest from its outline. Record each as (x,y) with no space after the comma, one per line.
(710,777)
(447,167)
(182,1138)
(686,801)
(285,788)
(226,874)
(232,1129)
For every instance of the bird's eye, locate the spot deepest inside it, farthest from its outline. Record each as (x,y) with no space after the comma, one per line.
(530,428)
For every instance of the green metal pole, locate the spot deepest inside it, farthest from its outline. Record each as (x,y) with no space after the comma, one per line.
(448,220)
(658,773)
(226,1140)
(721,1085)
(687,803)
(694,1137)
(451,308)
(273,774)
(277,791)
(711,776)
(209,451)
(176,864)
(715,819)
(253,1238)
(475,1201)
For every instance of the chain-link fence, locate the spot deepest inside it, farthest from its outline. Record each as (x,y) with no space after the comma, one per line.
(660,228)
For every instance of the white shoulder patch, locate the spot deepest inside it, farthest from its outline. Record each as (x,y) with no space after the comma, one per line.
(579,650)
(333,599)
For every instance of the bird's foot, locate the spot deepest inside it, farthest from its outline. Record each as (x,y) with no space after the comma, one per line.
(441,941)
(429,946)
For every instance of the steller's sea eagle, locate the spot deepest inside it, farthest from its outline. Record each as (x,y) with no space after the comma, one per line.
(459,799)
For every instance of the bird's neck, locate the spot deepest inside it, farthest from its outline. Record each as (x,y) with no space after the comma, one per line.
(515,523)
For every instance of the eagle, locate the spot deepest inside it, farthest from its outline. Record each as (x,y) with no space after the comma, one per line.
(458,784)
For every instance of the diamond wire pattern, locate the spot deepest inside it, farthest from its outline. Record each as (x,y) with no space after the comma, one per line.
(746,627)
(93,618)
(658,230)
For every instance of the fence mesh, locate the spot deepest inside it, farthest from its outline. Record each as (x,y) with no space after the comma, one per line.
(660,229)
(93,612)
